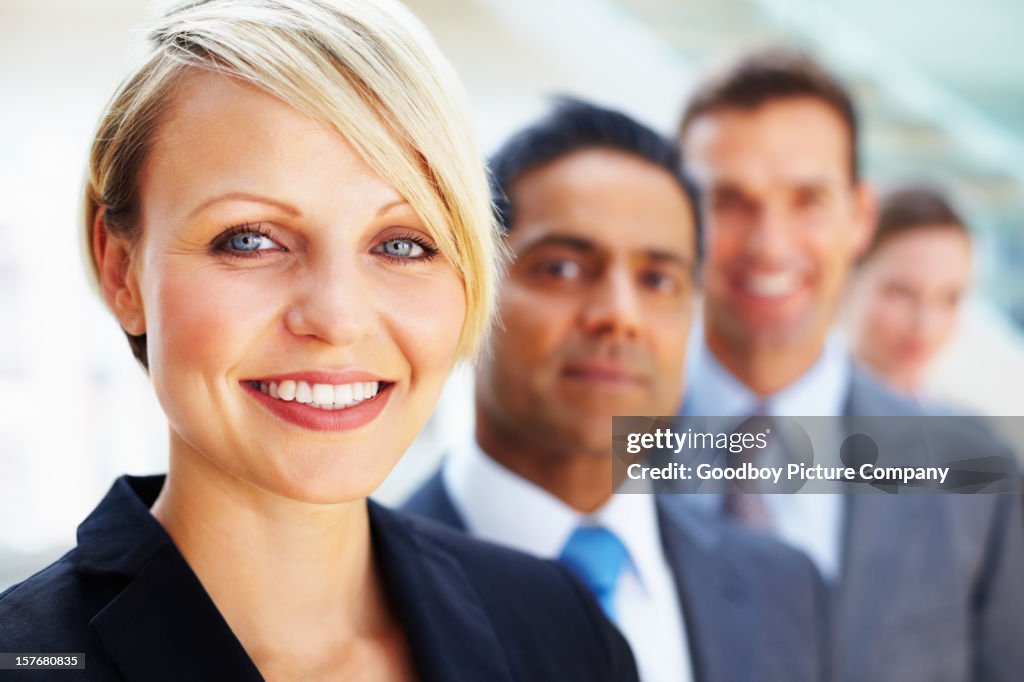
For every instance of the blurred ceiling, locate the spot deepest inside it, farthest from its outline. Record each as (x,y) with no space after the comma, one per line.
(974,48)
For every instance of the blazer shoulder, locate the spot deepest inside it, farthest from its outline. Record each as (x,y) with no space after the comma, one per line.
(869,397)
(534,602)
(775,560)
(51,610)
(431,500)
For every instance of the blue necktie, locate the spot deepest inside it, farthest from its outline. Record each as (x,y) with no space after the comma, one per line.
(597,557)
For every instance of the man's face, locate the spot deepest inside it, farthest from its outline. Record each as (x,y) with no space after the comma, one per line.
(595,308)
(784,219)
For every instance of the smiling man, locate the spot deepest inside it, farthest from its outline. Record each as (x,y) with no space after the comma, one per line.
(926,587)
(595,313)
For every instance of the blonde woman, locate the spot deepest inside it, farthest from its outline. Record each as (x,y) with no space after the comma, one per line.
(287,216)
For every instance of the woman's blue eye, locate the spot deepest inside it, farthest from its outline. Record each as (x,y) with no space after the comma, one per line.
(251,241)
(402,248)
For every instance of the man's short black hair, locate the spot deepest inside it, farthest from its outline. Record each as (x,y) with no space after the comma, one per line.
(768,75)
(574,125)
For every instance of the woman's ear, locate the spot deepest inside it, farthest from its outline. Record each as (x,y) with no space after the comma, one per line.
(117,279)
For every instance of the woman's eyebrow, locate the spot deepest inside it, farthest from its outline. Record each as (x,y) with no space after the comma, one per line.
(390,205)
(245,196)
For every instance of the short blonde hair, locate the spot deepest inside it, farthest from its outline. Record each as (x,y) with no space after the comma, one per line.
(366,68)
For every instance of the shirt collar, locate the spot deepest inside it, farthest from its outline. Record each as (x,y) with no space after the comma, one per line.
(121,535)
(500,506)
(820,391)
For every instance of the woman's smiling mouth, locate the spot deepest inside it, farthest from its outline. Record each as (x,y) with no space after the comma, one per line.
(320,396)
(319,402)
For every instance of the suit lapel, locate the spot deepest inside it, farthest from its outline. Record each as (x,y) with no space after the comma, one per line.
(449,631)
(163,626)
(433,501)
(160,623)
(716,600)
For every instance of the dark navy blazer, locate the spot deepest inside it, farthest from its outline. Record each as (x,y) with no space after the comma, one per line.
(754,608)
(472,611)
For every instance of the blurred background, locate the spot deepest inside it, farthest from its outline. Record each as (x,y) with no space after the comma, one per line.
(941,93)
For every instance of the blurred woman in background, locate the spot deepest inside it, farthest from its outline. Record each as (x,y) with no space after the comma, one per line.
(289,218)
(906,292)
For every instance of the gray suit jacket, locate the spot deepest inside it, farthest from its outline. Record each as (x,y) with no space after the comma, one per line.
(754,609)
(932,586)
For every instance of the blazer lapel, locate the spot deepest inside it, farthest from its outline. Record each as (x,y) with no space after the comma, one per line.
(163,626)
(716,601)
(451,635)
(160,623)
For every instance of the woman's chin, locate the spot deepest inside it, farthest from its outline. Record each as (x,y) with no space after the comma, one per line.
(330,483)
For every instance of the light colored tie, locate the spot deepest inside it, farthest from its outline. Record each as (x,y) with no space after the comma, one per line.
(750,509)
(597,557)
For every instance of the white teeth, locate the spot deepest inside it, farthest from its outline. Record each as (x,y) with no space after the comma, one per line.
(774,285)
(286,390)
(321,396)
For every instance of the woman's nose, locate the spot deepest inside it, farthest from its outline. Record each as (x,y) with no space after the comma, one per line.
(331,303)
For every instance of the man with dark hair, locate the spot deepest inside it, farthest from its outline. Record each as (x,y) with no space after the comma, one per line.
(759,77)
(595,311)
(927,587)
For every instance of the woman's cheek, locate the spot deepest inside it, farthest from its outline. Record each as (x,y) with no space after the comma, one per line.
(424,316)
(199,324)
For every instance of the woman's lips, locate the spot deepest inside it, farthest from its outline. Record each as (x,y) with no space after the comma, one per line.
(322,407)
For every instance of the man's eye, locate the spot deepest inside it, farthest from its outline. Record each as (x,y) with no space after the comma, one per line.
(730,202)
(559,269)
(660,281)
(809,199)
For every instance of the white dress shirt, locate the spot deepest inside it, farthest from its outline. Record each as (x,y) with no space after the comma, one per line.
(811,522)
(501,506)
